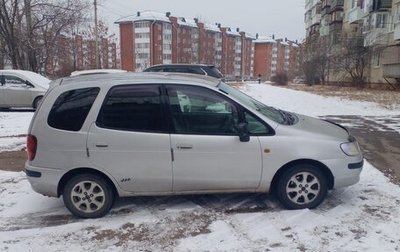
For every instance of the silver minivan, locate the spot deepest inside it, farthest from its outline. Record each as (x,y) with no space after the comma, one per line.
(19,88)
(98,137)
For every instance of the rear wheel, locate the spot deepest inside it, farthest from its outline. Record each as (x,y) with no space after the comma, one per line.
(302,186)
(88,196)
(37,102)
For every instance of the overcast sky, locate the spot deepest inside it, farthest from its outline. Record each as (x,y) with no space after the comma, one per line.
(284,18)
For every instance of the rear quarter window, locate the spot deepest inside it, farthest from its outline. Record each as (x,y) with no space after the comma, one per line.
(71,108)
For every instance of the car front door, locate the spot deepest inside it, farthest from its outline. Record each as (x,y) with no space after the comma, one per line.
(130,139)
(208,154)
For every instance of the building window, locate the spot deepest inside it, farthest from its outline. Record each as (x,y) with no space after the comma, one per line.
(142,55)
(397,13)
(166,26)
(167,46)
(381,20)
(142,35)
(142,24)
(167,56)
(142,45)
(377,59)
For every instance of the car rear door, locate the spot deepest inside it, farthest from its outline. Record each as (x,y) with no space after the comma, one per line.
(130,139)
(17,92)
(208,154)
(2,95)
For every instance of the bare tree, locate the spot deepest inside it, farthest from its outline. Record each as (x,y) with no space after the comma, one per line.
(30,28)
(316,53)
(103,34)
(354,59)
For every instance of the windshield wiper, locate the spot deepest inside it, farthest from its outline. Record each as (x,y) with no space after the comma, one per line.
(285,116)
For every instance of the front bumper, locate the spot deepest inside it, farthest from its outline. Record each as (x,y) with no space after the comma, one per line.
(345,171)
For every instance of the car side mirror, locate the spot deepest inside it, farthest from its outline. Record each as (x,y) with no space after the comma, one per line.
(29,84)
(244,135)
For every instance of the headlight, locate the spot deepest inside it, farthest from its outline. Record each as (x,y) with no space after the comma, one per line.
(351,148)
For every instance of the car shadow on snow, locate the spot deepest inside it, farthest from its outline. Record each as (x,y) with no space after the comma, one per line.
(37,220)
(216,203)
(209,204)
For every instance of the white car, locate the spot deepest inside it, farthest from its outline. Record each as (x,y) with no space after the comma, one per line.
(20,88)
(98,137)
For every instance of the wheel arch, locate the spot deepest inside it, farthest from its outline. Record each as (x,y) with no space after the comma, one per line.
(72,173)
(35,101)
(328,174)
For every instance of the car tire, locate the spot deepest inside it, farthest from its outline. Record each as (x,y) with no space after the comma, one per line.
(302,186)
(88,196)
(37,102)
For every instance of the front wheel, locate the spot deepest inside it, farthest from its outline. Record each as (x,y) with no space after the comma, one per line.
(302,186)
(88,196)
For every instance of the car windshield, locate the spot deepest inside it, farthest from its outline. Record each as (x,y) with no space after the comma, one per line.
(37,79)
(270,112)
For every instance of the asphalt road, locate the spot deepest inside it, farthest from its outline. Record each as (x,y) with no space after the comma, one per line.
(379,138)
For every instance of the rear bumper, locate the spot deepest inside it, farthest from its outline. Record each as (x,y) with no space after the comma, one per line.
(43,180)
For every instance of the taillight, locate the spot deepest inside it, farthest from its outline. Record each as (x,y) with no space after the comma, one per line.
(31,146)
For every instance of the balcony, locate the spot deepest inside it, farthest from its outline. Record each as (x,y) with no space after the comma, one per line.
(355,15)
(316,19)
(396,35)
(377,36)
(391,70)
(336,4)
(326,10)
(379,5)
(384,4)
(308,23)
(324,30)
(309,4)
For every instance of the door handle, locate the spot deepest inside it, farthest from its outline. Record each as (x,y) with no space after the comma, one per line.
(184,146)
(101,145)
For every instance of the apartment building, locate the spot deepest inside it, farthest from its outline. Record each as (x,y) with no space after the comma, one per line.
(275,56)
(231,53)
(372,24)
(150,38)
(312,17)
(391,54)
(210,44)
(146,40)
(247,60)
(185,40)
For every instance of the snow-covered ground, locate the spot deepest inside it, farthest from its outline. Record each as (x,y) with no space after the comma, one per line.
(13,129)
(363,217)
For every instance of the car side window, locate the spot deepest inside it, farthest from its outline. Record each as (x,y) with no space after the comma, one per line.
(194,70)
(255,126)
(71,108)
(198,110)
(13,81)
(133,108)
